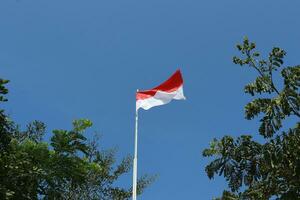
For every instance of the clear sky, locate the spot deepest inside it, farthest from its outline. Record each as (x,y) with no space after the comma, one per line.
(70,59)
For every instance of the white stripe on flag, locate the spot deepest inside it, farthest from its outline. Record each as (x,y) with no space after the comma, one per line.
(160,98)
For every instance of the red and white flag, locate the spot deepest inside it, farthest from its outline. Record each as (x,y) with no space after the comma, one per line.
(162,94)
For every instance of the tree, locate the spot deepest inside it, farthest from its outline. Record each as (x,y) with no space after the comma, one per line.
(271,169)
(4,125)
(70,167)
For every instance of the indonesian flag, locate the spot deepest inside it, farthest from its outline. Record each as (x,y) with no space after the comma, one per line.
(162,94)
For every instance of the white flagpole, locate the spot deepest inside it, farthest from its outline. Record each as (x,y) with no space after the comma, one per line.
(134,185)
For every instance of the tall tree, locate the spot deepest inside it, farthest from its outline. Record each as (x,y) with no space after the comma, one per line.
(70,167)
(4,124)
(271,169)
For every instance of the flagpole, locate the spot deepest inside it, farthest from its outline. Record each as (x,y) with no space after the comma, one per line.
(134,185)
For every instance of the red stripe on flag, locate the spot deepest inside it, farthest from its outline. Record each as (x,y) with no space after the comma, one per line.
(170,85)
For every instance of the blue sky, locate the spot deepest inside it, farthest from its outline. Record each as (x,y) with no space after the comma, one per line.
(70,59)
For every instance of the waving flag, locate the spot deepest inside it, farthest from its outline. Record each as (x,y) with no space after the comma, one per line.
(162,94)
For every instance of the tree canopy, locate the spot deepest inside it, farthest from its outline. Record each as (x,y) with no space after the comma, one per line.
(269,169)
(69,167)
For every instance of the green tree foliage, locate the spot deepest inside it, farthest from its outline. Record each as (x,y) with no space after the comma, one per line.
(70,167)
(4,124)
(271,169)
